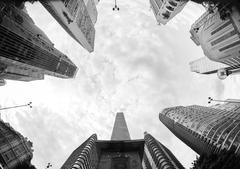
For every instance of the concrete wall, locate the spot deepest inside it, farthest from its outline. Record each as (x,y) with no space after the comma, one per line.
(109,160)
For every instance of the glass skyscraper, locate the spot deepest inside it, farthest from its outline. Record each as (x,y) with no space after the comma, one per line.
(205,129)
(121,152)
(77,17)
(26,53)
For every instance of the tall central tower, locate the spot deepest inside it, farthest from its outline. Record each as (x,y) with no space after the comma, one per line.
(120,130)
(121,152)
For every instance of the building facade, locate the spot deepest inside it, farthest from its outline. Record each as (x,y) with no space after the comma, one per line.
(217,31)
(205,129)
(156,155)
(92,10)
(165,10)
(15,149)
(77,17)
(26,53)
(206,66)
(121,152)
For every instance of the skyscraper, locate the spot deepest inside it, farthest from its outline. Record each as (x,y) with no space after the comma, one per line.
(121,152)
(217,31)
(92,10)
(26,53)
(205,129)
(165,10)
(76,18)
(206,66)
(15,150)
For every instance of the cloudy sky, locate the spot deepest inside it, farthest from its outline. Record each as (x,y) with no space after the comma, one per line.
(138,67)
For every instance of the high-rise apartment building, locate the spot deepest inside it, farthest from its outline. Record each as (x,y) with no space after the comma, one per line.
(26,53)
(15,150)
(121,152)
(206,66)
(205,129)
(165,10)
(217,31)
(77,17)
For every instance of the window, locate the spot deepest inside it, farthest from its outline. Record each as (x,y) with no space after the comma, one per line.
(166,15)
(19,150)
(8,156)
(170,8)
(72,6)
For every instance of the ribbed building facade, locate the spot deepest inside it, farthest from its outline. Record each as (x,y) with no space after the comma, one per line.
(26,53)
(165,10)
(15,150)
(156,155)
(122,152)
(205,129)
(77,17)
(85,156)
(217,31)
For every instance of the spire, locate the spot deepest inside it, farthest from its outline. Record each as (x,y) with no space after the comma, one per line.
(120,130)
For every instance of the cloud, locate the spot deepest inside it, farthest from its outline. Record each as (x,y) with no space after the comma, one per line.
(138,67)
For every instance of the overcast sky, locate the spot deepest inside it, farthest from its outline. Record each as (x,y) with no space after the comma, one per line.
(138,67)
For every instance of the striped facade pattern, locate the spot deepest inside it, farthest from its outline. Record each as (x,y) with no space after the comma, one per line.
(205,126)
(84,157)
(26,47)
(14,148)
(158,156)
(219,36)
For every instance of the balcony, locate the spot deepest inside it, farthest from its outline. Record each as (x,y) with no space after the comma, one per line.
(172,3)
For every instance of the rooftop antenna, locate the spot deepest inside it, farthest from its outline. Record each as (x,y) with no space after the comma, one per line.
(115,6)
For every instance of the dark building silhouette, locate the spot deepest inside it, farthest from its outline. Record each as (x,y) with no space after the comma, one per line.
(121,152)
(26,53)
(205,129)
(15,149)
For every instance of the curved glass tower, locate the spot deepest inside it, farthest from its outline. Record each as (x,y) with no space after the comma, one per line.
(205,129)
